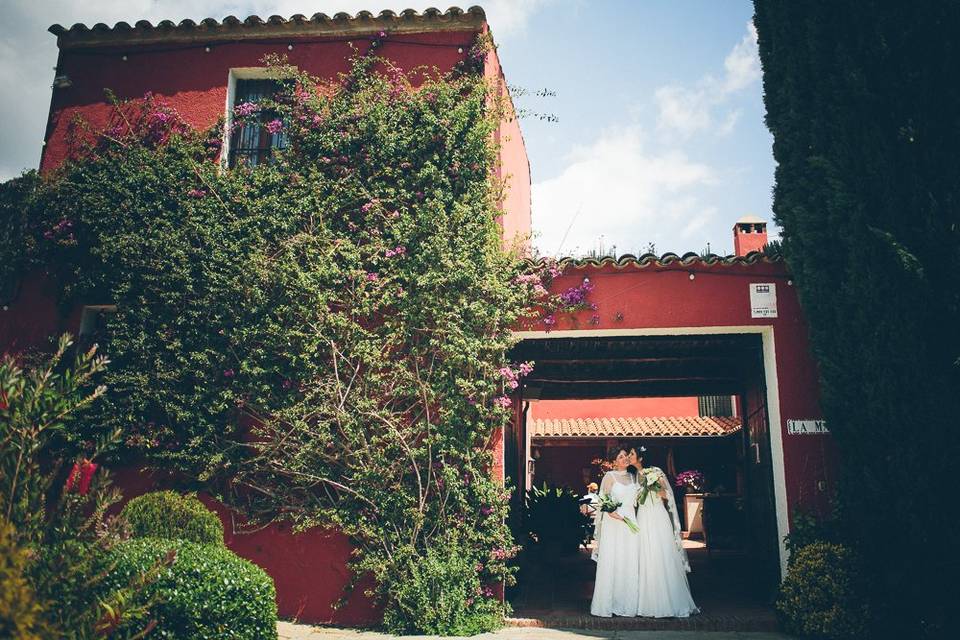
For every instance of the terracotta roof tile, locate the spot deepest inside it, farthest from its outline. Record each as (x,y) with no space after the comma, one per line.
(652,427)
(651,259)
(253,27)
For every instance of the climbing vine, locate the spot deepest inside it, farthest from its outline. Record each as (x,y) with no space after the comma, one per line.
(321,338)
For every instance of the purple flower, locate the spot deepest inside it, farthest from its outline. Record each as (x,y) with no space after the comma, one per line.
(502,401)
(196,193)
(228,373)
(486,510)
(246,109)
(550,321)
(275,126)
(372,277)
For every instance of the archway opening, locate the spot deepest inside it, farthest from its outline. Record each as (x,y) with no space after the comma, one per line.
(698,404)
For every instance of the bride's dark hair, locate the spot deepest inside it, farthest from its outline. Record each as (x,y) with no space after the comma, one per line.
(632,470)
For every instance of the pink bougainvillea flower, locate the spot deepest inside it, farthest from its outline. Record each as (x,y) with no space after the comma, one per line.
(196,193)
(245,109)
(502,401)
(228,373)
(275,126)
(372,277)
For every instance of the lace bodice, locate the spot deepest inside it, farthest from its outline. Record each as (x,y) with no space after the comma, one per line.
(621,486)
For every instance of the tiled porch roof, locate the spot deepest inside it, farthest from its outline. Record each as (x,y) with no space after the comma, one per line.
(667,427)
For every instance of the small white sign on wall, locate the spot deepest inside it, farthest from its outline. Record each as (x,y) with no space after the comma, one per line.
(804,427)
(763,300)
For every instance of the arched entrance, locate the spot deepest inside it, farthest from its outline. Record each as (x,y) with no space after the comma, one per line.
(738,562)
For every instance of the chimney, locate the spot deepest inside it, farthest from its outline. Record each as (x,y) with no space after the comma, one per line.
(749,234)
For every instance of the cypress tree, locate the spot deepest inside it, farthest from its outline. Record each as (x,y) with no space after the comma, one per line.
(863,100)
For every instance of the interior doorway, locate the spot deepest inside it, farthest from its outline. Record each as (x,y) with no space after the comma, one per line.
(730,522)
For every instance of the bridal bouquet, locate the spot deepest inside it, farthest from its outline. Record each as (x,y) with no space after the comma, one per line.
(649,481)
(609,505)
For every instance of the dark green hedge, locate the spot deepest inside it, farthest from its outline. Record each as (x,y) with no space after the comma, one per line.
(172,516)
(208,593)
(863,100)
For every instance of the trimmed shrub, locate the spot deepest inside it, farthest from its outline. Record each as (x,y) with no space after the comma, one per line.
(172,516)
(441,593)
(208,592)
(822,596)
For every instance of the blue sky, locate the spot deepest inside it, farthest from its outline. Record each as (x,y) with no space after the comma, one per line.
(660,136)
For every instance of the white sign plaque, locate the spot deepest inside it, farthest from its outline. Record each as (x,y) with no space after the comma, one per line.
(803,427)
(763,300)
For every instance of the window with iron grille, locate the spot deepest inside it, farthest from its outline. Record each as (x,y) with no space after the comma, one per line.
(721,406)
(252,144)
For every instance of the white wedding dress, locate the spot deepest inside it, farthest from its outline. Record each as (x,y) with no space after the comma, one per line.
(663,591)
(617,553)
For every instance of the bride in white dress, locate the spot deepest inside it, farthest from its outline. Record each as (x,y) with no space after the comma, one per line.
(616,553)
(663,590)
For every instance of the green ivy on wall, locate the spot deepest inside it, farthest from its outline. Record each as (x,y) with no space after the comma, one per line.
(319,339)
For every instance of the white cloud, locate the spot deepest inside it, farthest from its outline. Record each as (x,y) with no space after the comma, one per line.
(686,110)
(28,53)
(618,189)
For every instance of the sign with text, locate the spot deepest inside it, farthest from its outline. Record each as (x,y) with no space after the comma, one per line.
(803,427)
(763,300)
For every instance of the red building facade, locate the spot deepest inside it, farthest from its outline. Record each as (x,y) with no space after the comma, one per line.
(194,68)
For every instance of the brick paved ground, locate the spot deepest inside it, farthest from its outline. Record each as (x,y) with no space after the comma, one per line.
(290,631)
(557,595)
(553,603)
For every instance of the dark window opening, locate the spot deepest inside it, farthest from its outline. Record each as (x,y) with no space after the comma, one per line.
(252,143)
(718,406)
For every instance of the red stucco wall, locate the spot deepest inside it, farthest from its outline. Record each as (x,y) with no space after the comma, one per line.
(613,408)
(718,296)
(513,167)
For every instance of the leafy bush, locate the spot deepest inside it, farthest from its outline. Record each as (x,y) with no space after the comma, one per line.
(822,595)
(442,593)
(20,613)
(807,529)
(170,515)
(57,516)
(208,592)
(554,521)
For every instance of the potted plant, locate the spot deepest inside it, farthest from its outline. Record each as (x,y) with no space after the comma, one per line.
(691,483)
(554,523)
